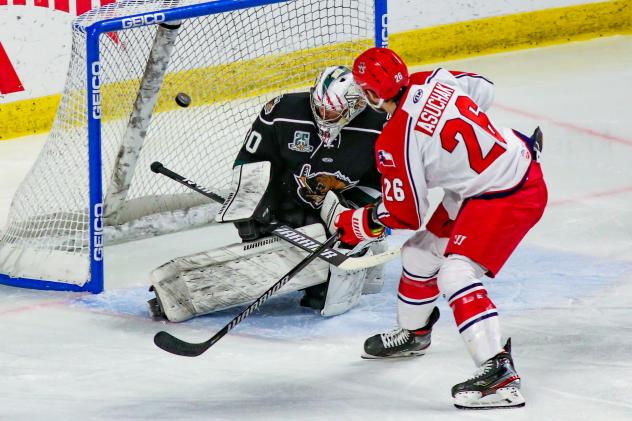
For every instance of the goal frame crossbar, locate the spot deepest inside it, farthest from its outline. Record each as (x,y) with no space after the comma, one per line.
(93,31)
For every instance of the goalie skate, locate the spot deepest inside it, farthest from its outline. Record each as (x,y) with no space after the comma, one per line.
(400,343)
(155,307)
(495,385)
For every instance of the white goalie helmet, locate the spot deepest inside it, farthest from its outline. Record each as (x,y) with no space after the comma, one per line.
(336,100)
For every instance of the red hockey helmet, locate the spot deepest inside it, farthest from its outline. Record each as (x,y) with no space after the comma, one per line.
(382,71)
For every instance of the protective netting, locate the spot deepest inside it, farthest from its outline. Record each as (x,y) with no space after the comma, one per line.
(230,64)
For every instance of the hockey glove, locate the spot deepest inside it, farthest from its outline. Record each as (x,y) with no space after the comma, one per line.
(358,225)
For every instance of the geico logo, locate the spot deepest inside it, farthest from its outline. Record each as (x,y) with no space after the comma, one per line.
(98,232)
(96,90)
(143,20)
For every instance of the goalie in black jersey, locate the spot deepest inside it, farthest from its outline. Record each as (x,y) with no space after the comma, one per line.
(305,153)
(315,142)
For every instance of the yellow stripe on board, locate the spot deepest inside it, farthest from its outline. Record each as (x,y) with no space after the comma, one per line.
(30,116)
(255,77)
(211,85)
(513,32)
(231,81)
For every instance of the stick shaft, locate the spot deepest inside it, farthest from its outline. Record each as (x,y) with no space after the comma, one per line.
(157,167)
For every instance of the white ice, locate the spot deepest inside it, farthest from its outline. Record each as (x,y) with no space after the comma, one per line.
(565,297)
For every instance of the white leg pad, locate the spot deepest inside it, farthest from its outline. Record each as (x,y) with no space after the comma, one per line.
(344,290)
(374,281)
(236,274)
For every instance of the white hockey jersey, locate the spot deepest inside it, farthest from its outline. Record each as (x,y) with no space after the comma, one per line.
(440,136)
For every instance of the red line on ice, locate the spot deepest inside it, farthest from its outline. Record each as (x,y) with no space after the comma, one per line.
(603,193)
(569,126)
(33,307)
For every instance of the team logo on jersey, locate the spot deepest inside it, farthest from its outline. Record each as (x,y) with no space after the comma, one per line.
(385,159)
(267,109)
(300,142)
(458,239)
(312,187)
(417,96)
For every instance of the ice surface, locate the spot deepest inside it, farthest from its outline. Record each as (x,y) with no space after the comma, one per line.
(565,297)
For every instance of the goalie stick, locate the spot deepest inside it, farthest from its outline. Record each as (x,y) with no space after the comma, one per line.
(158,168)
(288,234)
(171,344)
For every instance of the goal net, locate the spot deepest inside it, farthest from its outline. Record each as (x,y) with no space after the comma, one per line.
(117,115)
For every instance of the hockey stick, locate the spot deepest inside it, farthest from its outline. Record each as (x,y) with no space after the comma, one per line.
(333,256)
(171,344)
(158,168)
(288,234)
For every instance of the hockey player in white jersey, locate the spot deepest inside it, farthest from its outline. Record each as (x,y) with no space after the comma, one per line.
(494,192)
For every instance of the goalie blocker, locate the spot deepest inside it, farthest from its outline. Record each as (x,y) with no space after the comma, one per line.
(236,274)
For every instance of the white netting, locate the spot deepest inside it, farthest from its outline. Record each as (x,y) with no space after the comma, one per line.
(230,64)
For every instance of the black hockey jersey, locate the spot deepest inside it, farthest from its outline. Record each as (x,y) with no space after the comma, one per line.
(304,169)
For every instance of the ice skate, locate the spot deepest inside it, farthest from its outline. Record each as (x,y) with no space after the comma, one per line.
(495,385)
(155,306)
(401,342)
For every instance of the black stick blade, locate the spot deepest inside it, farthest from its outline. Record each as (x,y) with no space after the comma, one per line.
(170,343)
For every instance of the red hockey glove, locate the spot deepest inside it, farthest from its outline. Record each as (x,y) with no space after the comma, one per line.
(358,225)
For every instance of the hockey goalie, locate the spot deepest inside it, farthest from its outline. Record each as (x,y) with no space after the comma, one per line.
(305,153)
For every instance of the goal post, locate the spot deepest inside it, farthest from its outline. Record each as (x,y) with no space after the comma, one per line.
(91,182)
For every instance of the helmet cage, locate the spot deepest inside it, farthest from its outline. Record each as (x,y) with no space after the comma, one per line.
(335,100)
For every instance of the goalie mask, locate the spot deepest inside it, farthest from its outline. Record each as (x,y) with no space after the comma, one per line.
(335,100)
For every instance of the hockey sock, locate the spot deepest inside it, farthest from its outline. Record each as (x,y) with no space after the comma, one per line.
(415,301)
(474,313)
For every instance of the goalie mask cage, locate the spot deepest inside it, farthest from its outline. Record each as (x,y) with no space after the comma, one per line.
(117,115)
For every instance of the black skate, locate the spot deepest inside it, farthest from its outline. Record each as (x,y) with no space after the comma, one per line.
(495,385)
(315,296)
(155,307)
(401,342)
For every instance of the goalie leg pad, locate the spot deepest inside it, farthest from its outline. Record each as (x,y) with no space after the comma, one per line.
(345,286)
(236,274)
(374,281)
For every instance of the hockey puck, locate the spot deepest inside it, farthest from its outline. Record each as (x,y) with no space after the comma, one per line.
(183,100)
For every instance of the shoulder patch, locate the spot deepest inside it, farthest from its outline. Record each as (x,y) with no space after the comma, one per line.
(300,142)
(267,109)
(385,159)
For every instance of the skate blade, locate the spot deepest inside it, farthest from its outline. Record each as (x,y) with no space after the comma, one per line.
(506,397)
(155,311)
(408,354)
